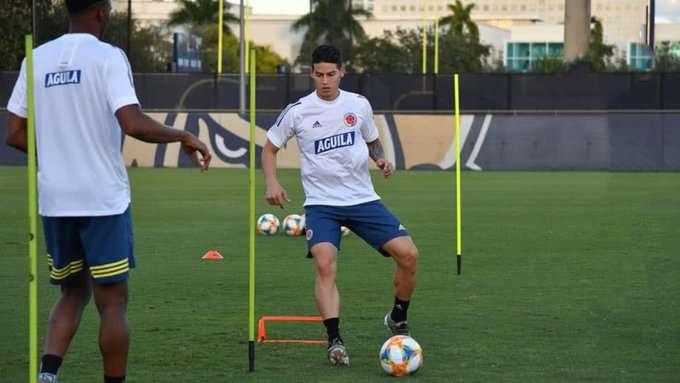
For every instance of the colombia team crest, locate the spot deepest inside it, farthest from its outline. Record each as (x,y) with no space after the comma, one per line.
(350,119)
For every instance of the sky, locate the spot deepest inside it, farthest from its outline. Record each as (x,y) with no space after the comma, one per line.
(667,10)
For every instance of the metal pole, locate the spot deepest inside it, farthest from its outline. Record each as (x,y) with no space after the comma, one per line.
(129,29)
(33,219)
(651,23)
(220,33)
(351,35)
(251,187)
(246,35)
(242,60)
(33,16)
(424,36)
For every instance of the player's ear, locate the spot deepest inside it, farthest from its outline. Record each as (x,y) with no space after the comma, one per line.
(342,70)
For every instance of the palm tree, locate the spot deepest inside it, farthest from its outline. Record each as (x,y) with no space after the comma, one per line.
(201,13)
(598,53)
(331,22)
(461,19)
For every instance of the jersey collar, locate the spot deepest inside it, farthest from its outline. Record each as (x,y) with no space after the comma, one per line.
(324,102)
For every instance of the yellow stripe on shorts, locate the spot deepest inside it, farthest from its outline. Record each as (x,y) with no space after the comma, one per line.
(101,268)
(111,269)
(71,268)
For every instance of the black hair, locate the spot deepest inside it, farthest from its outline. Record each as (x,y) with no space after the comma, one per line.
(76,7)
(327,54)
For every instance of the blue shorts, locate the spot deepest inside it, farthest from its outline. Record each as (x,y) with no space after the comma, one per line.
(371,221)
(101,245)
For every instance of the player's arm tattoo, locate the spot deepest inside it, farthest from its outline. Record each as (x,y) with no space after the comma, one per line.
(375,150)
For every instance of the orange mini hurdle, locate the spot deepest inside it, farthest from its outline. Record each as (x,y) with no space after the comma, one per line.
(262,330)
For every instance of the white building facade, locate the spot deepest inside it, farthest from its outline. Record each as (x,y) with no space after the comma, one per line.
(511,27)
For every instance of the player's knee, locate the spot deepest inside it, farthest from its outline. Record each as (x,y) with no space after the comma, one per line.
(77,293)
(111,298)
(410,257)
(77,297)
(112,308)
(325,269)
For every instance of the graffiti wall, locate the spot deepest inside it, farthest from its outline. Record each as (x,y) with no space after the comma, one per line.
(589,141)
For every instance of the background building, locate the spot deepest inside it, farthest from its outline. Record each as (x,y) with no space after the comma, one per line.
(519,31)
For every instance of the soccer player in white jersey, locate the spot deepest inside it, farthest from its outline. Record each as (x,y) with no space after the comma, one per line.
(336,136)
(84,95)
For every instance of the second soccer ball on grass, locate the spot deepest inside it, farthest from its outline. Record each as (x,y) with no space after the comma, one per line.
(267,224)
(293,225)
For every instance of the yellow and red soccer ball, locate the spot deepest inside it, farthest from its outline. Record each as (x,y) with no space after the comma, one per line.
(401,355)
(268,224)
(293,225)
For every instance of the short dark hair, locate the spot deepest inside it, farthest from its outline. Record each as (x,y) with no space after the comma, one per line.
(76,7)
(327,54)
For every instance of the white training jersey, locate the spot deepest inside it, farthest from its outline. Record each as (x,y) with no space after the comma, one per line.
(332,137)
(79,83)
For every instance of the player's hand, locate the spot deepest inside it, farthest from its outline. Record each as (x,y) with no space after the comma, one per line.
(276,194)
(385,166)
(192,146)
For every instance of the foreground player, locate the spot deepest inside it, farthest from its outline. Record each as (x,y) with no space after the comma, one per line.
(336,135)
(84,95)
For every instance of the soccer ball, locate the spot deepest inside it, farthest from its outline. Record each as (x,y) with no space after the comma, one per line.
(401,355)
(268,224)
(345,231)
(293,225)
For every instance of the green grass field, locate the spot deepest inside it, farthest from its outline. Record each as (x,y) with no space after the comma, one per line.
(566,277)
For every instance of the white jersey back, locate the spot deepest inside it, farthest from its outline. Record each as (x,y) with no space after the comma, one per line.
(332,137)
(79,83)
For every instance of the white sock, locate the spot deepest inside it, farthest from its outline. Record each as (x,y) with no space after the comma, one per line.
(46,377)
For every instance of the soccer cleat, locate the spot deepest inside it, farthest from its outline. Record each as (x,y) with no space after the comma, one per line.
(337,353)
(45,377)
(396,328)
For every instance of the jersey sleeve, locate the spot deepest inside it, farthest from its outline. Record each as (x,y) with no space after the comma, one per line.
(120,89)
(18,103)
(284,127)
(368,129)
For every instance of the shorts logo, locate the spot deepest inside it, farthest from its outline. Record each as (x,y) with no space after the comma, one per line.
(350,119)
(62,78)
(401,227)
(310,234)
(333,142)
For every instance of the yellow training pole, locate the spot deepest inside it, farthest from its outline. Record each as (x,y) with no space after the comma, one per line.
(219,35)
(245,38)
(251,292)
(459,240)
(424,36)
(33,223)
(436,45)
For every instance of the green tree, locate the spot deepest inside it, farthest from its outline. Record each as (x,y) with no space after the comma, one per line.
(16,18)
(667,57)
(267,59)
(461,53)
(150,50)
(460,19)
(331,22)
(548,64)
(401,51)
(599,54)
(460,48)
(383,54)
(201,13)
